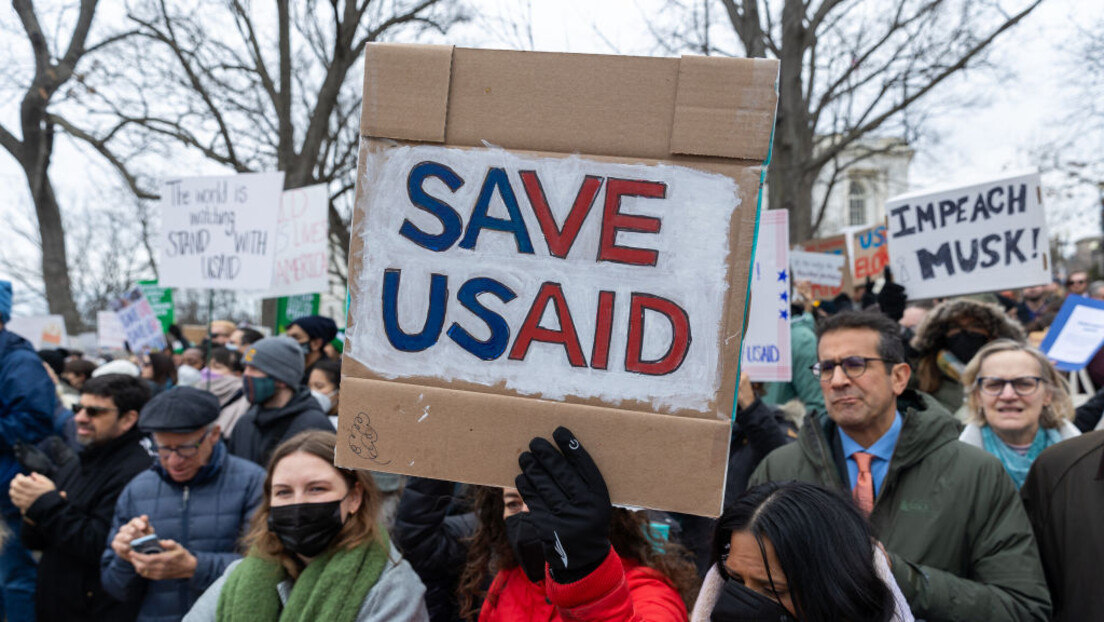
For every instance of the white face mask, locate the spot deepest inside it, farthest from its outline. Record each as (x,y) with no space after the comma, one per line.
(323,400)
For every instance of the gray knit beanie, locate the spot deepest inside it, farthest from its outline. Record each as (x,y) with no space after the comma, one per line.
(279,357)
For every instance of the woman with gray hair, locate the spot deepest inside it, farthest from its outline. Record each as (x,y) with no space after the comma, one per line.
(1018,405)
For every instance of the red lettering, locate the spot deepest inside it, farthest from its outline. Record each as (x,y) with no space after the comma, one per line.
(680,335)
(531,330)
(560,240)
(613,221)
(603,325)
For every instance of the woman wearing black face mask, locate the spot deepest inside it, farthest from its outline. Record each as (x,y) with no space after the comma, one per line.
(316,551)
(617,571)
(797,552)
(948,337)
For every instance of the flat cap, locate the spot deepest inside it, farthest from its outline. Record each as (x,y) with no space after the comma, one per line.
(180,410)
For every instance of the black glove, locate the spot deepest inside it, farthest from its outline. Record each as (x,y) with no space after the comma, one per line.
(892,298)
(868,298)
(570,505)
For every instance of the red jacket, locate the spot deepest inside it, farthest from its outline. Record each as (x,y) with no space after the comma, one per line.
(618,591)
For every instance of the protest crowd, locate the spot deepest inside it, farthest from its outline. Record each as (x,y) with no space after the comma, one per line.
(933,472)
(925,457)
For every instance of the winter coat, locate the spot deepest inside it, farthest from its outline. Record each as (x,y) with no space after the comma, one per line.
(232,402)
(206,515)
(758,430)
(1064,498)
(434,542)
(618,591)
(27,400)
(397,596)
(802,385)
(261,430)
(71,531)
(959,541)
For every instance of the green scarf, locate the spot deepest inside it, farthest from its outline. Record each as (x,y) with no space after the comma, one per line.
(332,587)
(1016,465)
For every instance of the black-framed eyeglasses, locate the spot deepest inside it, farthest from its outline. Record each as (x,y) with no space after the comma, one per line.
(853,367)
(184,451)
(1024,385)
(93,411)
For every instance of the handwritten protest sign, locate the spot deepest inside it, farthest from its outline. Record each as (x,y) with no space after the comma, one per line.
(766,351)
(140,323)
(218,232)
(869,253)
(823,269)
(829,287)
(302,243)
(589,272)
(43,331)
(1076,334)
(979,238)
(110,333)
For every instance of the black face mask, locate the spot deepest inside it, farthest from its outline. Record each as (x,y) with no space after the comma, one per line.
(306,528)
(965,345)
(738,603)
(526,543)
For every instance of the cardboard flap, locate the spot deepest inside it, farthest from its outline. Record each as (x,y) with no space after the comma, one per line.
(406,91)
(724,109)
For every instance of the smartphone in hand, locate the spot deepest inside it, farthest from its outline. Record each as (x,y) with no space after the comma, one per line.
(147,544)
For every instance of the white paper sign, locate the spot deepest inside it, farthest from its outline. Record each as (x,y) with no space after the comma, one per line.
(980,238)
(45,332)
(219,232)
(302,243)
(109,331)
(817,268)
(1076,333)
(553,277)
(140,323)
(766,349)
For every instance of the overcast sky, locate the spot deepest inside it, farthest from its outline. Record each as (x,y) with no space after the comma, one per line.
(1021,110)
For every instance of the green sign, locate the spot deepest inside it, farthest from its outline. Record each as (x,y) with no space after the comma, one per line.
(289,308)
(161,300)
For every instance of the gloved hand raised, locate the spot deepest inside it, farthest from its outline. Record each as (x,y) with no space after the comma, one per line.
(569,504)
(892,299)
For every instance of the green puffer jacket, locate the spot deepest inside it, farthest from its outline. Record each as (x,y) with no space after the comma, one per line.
(958,538)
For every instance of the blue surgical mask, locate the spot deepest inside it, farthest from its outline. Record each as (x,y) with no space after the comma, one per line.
(230,346)
(305,347)
(258,390)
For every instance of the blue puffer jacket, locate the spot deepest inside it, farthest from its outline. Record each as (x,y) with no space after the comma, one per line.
(206,515)
(27,401)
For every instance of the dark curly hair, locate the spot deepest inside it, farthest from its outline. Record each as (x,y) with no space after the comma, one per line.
(630,535)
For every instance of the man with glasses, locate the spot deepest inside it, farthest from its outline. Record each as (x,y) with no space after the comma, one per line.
(197,500)
(958,539)
(1078,283)
(68,518)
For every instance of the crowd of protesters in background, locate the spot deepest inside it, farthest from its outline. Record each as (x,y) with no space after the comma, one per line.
(926,461)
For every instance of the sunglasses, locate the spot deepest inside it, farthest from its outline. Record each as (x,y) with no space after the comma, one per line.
(93,411)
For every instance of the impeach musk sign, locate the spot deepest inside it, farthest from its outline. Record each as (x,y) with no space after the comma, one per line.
(979,238)
(554,278)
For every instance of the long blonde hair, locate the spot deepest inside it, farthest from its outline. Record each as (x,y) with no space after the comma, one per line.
(358,530)
(1059,409)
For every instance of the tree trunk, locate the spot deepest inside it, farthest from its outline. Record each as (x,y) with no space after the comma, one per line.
(791,186)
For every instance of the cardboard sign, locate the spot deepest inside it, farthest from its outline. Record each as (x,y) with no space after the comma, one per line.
(766,353)
(869,253)
(109,331)
(497,293)
(161,301)
(219,232)
(980,238)
(835,245)
(302,243)
(823,269)
(45,332)
(291,308)
(1076,334)
(142,328)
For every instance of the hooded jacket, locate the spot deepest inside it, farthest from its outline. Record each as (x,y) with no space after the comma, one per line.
(959,541)
(261,430)
(206,515)
(27,400)
(931,335)
(71,531)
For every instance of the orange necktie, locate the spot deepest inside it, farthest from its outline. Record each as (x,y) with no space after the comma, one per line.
(863,492)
